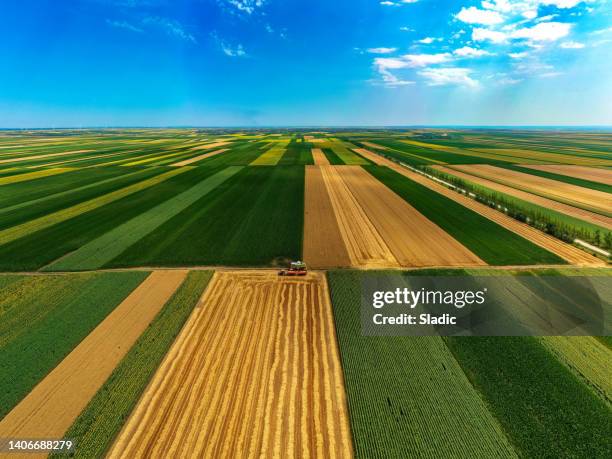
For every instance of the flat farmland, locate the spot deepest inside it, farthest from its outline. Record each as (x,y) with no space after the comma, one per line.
(593,174)
(255,372)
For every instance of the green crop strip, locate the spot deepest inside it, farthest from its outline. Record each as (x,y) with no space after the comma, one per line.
(491,242)
(332,157)
(42,318)
(99,423)
(408,397)
(33,175)
(253,219)
(346,155)
(40,223)
(545,410)
(102,250)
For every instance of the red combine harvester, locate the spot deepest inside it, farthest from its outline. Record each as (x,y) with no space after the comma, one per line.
(297,268)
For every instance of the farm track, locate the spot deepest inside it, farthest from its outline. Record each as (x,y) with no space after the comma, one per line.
(323,243)
(53,405)
(365,245)
(257,381)
(319,157)
(568,252)
(587,216)
(582,172)
(413,239)
(576,196)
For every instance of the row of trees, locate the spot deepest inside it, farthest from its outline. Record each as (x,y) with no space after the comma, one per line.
(542,221)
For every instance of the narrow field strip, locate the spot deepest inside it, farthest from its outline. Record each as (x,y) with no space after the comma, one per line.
(588,358)
(53,405)
(408,396)
(110,245)
(49,155)
(347,155)
(319,157)
(189,161)
(99,423)
(208,146)
(155,158)
(270,157)
(46,221)
(365,246)
(413,239)
(584,184)
(34,175)
(553,245)
(323,243)
(255,372)
(581,214)
(594,174)
(42,318)
(584,198)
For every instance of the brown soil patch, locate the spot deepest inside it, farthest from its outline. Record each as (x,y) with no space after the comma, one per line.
(374,145)
(572,211)
(53,405)
(323,243)
(593,174)
(48,155)
(365,246)
(319,157)
(198,158)
(593,200)
(255,372)
(413,239)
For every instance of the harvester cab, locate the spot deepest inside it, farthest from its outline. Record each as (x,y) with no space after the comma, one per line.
(296,268)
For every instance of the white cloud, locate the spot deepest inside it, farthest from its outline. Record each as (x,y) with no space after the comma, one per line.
(468,51)
(236,51)
(572,45)
(473,15)
(561,3)
(421,60)
(406,29)
(427,40)
(382,50)
(124,25)
(602,31)
(521,55)
(398,2)
(448,76)
(479,34)
(546,18)
(171,27)
(246,6)
(387,3)
(544,31)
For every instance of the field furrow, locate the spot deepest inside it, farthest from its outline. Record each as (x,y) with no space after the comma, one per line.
(256,381)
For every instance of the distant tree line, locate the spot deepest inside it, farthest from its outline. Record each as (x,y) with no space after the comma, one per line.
(542,221)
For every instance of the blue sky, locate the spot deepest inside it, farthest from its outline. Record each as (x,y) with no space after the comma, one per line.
(288,62)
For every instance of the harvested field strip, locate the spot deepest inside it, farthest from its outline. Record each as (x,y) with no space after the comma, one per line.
(40,223)
(545,410)
(110,245)
(33,175)
(156,158)
(364,244)
(186,162)
(208,146)
(319,157)
(323,243)
(270,157)
(49,155)
(591,200)
(587,358)
(54,404)
(69,187)
(413,239)
(491,242)
(78,160)
(403,155)
(585,173)
(270,203)
(562,178)
(408,397)
(254,373)
(102,419)
(42,318)
(546,203)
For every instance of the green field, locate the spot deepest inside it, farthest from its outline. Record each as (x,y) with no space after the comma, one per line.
(42,318)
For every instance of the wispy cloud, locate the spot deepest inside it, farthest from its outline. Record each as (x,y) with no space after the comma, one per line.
(397,2)
(171,26)
(381,50)
(468,51)
(124,25)
(428,40)
(244,6)
(229,49)
(448,76)
(572,45)
(473,15)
